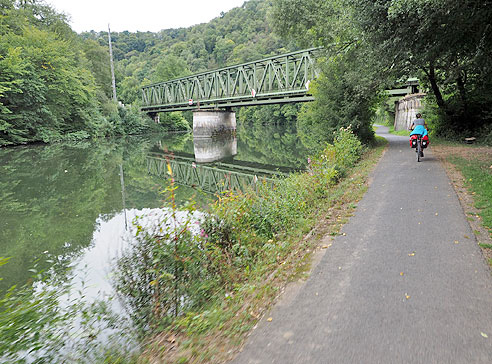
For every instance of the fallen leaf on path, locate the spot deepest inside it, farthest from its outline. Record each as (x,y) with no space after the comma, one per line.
(401,273)
(456,242)
(270,319)
(484,335)
(411,254)
(407,296)
(466,237)
(437,213)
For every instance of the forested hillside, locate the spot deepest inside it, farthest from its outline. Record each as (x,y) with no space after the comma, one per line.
(240,35)
(56,84)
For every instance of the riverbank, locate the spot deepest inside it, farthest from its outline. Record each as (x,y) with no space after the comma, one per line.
(216,332)
(257,243)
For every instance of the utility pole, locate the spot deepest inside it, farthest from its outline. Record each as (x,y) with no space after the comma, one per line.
(112,66)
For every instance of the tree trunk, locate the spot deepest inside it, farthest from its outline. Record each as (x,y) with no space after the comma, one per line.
(461,88)
(431,75)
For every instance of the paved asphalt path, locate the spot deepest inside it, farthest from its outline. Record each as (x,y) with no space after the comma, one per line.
(357,308)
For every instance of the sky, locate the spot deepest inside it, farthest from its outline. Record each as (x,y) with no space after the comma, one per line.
(140,15)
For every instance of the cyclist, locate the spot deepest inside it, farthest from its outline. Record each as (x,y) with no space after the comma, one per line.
(419,126)
(418,122)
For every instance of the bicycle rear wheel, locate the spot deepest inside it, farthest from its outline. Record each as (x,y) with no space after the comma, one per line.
(418,150)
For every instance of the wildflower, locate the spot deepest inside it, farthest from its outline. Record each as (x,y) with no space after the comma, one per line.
(309,160)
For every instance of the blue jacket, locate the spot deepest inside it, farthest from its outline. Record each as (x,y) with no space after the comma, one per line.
(419,129)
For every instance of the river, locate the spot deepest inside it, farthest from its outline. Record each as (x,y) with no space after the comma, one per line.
(69,205)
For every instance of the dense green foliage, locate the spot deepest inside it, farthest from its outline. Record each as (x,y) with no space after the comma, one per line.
(47,90)
(446,43)
(344,97)
(55,85)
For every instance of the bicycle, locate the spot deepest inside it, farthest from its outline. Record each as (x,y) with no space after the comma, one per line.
(419,142)
(418,149)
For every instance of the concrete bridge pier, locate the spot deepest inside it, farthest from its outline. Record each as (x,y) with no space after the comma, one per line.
(209,150)
(210,123)
(406,109)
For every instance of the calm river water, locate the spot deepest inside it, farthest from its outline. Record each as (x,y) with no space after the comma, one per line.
(67,205)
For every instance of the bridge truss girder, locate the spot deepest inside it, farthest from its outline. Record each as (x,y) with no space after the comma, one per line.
(280,79)
(206,178)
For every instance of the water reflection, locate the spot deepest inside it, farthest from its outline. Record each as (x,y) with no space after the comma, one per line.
(57,198)
(91,270)
(209,150)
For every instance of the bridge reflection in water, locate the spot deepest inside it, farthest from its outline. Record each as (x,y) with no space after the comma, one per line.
(219,173)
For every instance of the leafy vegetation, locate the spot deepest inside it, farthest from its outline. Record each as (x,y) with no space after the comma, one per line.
(55,85)
(244,245)
(446,43)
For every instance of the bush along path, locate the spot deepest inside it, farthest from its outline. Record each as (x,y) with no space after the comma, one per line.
(196,295)
(404,282)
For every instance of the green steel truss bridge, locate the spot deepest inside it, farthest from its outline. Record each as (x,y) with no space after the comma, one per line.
(274,80)
(211,179)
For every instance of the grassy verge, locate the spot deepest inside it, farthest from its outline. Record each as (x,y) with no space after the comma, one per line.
(470,169)
(478,179)
(260,244)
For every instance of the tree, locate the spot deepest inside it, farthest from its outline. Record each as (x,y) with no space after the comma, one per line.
(48,92)
(344,97)
(170,67)
(449,42)
(347,89)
